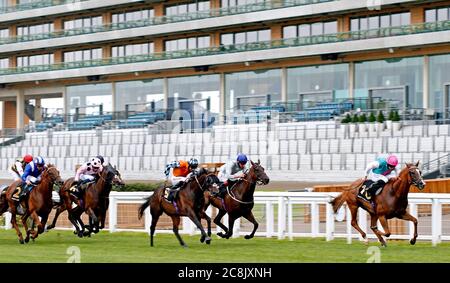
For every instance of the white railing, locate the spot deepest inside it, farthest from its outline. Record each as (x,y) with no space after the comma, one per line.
(283,214)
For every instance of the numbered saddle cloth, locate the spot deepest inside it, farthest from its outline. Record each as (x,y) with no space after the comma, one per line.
(364,190)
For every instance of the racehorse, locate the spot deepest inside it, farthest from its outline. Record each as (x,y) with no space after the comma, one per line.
(94,201)
(37,204)
(190,202)
(238,201)
(391,202)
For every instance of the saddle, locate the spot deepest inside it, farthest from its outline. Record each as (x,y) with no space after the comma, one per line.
(78,190)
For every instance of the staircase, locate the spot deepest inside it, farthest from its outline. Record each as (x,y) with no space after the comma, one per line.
(437,168)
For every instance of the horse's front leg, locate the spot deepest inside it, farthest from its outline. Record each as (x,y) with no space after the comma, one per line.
(40,228)
(374,227)
(217,220)
(250,217)
(385,225)
(59,210)
(25,226)
(409,217)
(193,216)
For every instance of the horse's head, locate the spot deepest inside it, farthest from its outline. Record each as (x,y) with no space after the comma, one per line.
(52,172)
(415,175)
(115,177)
(260,175)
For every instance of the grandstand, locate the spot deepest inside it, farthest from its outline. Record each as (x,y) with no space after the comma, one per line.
(146,82)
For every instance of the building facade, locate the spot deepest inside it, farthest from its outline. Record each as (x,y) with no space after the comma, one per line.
(220,55)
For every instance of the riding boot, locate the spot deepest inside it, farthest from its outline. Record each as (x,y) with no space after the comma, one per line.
(221,191)
(375,187)
(24,192)
(173,190)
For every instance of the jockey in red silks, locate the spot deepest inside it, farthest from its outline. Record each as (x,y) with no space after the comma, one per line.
(18,167)
(380,172)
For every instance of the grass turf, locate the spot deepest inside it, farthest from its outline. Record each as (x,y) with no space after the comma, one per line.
(124,247)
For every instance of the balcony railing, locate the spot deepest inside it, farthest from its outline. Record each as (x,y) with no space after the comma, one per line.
(36,5)
(225,11)
(254,46)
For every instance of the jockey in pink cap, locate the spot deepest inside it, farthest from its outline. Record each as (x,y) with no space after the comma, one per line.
(380,172)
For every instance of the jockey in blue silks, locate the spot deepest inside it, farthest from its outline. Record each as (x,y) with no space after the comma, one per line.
(32,175)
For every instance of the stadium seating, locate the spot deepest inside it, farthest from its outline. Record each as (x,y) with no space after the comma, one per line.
(323,111)
(141,120)
(89,122)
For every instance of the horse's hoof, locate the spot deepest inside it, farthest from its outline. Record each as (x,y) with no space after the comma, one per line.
(412,242)
(184,246)
(387,235)
(49,227)
(80,234)
(208,240)
(27,240)
(247,237)
(75,232)
(21,241)
(202,239)
(220,234)
(384,244)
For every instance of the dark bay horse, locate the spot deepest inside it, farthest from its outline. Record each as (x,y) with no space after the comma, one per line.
(391,202)
(238,202)
(190,202)
(94,201)
(37,204)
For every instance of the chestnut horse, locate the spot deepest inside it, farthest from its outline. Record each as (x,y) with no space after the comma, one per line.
(94,201)
(37,204)
(190,202)
(391,202)
(238,202)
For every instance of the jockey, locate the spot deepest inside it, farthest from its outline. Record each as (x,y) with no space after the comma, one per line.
(180,171)
(31,176)
(231,171)
(89,171)
(17,168)
(380,172)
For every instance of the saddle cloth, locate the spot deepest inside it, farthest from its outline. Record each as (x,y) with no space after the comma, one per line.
(364,190)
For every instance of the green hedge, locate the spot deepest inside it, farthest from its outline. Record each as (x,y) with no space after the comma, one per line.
(137,187)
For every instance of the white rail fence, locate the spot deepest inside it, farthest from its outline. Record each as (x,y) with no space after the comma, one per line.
(298,214)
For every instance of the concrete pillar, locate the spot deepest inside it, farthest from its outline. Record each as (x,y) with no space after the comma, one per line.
(159,10)
(166,93)
(426,81)
(276,32)
(222,96)
(115,107)
(284,86)
(1,114)
(38,110)
(20,109)
(351,80)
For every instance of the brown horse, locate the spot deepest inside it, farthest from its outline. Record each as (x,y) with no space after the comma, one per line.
(189,202)
(37,204)
(94,202)
(391,202)
(238,201)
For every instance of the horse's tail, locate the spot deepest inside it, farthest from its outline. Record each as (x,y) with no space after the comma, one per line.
(338,201)
(144,206)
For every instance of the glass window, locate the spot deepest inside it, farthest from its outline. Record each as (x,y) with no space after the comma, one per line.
(88,97)
(139,95)
(374,22)
(4,33)
(442,14)
(385,21)
(4,63)
(430,15)
(317,29)
(246,89)
(354,24)
(363,24)
(239,38)
(264,35)
(317,83)
(330,27)
(304,30)
(226,39)
(405,19)
(389,78)
(195,91)
(289,31)
(252,36)
(396,20)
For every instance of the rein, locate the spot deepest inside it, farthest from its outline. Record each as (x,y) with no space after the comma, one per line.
(234,197)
